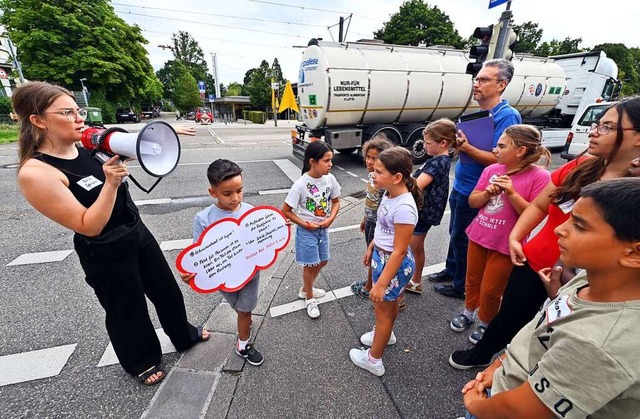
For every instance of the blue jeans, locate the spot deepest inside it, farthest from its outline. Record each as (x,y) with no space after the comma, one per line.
(461,216)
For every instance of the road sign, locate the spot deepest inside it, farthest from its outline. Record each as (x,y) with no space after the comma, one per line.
(494,3)
(201,86)
(201,95)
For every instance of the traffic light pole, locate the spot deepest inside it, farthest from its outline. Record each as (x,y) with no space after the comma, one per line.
(505,18)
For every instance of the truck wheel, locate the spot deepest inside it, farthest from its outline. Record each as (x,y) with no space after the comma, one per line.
(419,152)
(347,150)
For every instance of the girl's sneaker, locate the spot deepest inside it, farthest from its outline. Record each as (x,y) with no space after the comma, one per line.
(460,323)
(367,338)
(358,289)
(312,308)
(317,293)
(413,287)
(477,335)
(360,357)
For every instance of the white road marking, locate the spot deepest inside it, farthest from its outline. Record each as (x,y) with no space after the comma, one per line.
(291,170)
(352,174)
(337,229)
(338,167)
(34,365)
(175,244)
(364,180)
(152,201)
(109,356)
(335,295)
(299,304)
(40,257)
(274,192)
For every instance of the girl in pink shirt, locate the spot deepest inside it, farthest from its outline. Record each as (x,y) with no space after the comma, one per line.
(503,191)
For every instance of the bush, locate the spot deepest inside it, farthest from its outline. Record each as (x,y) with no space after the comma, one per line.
(257,117)
(108,109)
(5,105)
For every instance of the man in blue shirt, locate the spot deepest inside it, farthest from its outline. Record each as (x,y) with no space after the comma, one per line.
(488,86)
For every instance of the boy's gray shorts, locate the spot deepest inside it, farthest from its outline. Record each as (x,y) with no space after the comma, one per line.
(245,299)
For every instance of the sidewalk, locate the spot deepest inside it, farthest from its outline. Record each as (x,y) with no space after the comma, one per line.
(307,371)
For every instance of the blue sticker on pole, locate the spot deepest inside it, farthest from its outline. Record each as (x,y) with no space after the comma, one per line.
(494,3)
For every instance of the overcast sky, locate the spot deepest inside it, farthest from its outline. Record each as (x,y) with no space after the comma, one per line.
(244,32)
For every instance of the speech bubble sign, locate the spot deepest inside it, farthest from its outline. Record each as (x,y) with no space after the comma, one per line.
(230,251)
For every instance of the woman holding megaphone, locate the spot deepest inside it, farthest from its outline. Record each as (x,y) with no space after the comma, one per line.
(120,257)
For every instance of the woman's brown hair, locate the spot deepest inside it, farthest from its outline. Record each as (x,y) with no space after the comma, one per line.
(33,99)
(529,137)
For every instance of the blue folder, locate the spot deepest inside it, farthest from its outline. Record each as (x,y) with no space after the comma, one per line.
(479,129)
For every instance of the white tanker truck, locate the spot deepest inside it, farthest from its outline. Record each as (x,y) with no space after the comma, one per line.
(351,91)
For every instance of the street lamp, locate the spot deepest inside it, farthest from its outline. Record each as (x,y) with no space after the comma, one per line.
(84,91)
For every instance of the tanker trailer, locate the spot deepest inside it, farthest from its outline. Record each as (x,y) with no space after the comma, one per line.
(350,92)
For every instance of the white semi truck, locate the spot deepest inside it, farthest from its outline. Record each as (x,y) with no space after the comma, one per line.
(348,92)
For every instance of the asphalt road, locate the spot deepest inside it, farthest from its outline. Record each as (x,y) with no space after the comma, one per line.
(48,305)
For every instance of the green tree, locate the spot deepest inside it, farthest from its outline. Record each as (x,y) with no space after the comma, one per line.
(62,41)
(529,37)
(187,50)
(259,86)
(185,92)
(555,47)
(234,89)
(627,66)
(417,23)
(276,73)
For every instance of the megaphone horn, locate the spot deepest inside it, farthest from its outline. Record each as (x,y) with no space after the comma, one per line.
(156,146)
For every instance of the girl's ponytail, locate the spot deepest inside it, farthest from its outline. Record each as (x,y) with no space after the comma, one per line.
(416,191)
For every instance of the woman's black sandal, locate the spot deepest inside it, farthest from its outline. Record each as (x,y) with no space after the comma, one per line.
(147,375)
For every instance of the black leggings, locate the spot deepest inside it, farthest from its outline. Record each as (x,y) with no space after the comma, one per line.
(521,300)
(121,273)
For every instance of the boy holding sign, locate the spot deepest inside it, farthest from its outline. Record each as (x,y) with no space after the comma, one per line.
(226,185)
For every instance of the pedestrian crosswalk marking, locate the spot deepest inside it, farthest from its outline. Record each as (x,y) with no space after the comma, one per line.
(34,365)
(335,295)
(109,356)
(175,244)
(40,257)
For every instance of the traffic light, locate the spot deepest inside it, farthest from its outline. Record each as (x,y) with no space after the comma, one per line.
(488,36)
(510,43)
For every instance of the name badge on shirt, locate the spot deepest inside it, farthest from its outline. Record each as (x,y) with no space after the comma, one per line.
(566,207)
(89,183)
(558,308)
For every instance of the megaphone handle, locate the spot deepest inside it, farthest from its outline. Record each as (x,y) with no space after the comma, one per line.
(140,186)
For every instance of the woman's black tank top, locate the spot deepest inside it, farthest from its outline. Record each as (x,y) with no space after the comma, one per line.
(86,179)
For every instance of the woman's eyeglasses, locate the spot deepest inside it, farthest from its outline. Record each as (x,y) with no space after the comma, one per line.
(72,114)
(604,129)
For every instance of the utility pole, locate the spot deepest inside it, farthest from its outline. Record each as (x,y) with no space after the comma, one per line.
(16,63)
(505,18)
(214,65)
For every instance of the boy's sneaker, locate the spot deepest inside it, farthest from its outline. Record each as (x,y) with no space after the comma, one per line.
(358,289)
(477,335)
(360,357)
(251,354)
(317,293)
(460,323)
(367,338)
(464,360)
(312,308)
(413,287)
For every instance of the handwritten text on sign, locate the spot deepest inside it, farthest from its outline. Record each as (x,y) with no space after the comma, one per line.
(230,251)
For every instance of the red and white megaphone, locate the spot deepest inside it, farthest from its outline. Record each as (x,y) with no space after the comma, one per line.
(156,147)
